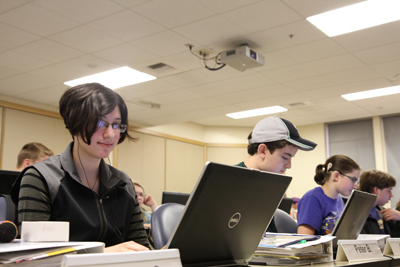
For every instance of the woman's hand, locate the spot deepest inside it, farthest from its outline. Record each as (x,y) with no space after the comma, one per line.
(126,247)
(149,201)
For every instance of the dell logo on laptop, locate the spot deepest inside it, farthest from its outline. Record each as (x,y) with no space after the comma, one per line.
(234,220)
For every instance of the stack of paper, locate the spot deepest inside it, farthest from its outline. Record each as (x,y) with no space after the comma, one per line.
(292,249)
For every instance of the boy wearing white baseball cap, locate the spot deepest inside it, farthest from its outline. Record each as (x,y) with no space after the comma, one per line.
(272,145)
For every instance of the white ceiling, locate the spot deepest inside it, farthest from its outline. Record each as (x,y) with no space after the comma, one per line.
(47,42)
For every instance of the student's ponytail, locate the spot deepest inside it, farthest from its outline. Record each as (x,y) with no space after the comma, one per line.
(340,163)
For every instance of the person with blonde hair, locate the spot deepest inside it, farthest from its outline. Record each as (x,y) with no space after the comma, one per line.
(143,199)
(31,153)
(320,208)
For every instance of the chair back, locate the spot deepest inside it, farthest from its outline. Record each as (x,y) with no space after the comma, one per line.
(284,222)
(163,222)
(7,208)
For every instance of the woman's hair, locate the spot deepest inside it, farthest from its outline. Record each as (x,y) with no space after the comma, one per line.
(83,105)
(143,210)
(341,163)
(374,178)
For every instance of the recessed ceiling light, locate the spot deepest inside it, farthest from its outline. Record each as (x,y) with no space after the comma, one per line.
(256,112)
(115,78)
(356,17)
(372,93)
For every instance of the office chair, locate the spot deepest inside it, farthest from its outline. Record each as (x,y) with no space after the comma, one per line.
(163,222)
(284,222)
(7,208)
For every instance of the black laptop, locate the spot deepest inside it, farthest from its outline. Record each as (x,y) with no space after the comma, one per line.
(353,217)
(226,215)
(174,197)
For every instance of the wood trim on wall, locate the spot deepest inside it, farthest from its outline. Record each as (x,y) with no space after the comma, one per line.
(3,124)
(39,111)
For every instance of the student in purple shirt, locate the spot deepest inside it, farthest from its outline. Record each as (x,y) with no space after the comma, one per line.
(320,208)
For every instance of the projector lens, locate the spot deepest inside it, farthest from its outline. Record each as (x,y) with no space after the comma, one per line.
(253,54)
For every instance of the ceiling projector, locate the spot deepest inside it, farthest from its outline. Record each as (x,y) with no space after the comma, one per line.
(242,58)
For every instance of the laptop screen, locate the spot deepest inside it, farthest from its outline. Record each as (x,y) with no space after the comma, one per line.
(226,215)
(7,179)
(174,197)
(353,217)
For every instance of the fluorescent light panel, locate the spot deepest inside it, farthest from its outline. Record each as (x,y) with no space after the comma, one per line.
(256,112)
(357,17)
(372,93)
(115,78)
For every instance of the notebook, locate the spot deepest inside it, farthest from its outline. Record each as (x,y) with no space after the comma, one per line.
(226,215)
(353,217)
(174,197)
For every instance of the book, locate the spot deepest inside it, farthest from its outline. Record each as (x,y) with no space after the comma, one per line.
(292,249)
(21,253)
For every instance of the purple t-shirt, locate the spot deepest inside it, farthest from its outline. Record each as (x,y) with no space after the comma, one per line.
(319,211)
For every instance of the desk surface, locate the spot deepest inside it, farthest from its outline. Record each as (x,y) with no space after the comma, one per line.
(387,262)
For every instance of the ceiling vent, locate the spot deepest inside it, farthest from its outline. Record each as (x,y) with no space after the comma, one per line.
(300,105)
(149,104)
(158,66)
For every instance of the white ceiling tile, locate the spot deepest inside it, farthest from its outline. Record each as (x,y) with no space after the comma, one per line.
(157,44)
(130,3)
(210,30)
(294,72)
(224,6)
(125,55)
(21,62)
(48,50)
(57,73)
(47,95)
(15,37)
(250,81)
(368,38)
(189,79)
(266,14)
(336,63)
(124,25)
(301,63)
(88,64)
(80,11)
(37,20)
(289,35)
(379,54)
(353,75)
(7,5)
(309,83)
(154,87)
(131,94)
(312,7)
(19,84)
(390,70)
(276,60)
(315,50)
(173,13)
(7,72)
(85,39)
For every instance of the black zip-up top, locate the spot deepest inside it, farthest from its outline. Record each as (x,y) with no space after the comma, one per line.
(52,190)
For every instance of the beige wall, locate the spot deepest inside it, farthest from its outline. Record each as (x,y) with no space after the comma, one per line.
(160,160)
(304,163)
(22,127)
